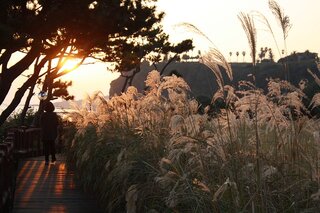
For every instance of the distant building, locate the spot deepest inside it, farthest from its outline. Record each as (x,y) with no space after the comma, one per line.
(298,57)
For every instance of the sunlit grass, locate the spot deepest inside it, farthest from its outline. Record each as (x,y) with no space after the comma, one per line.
(153,151)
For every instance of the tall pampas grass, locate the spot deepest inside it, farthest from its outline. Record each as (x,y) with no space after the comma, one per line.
(249,28)
(191,28)
(315,102)
(212,57)
(284,22)
(155,153)
(282,19)
(263,19)
(214,60)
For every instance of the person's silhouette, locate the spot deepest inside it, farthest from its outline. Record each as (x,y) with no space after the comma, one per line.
(49,123)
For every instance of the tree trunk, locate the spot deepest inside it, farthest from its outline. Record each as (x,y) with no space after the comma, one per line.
(26,105)
(18,96)
(21,91)
(169,62)
(9,75)
(5,57)
(137,70)
(129,79)
(125,83)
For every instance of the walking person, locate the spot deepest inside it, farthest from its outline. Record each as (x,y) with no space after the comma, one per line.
(49,123)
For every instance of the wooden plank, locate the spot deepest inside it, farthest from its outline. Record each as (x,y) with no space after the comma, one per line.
(50,188)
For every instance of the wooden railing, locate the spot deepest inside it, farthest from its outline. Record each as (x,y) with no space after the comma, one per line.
(27,142)
(7,172)
(19,143)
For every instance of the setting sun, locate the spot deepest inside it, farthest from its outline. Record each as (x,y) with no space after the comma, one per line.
(212,106)
(82,78)
(70,64)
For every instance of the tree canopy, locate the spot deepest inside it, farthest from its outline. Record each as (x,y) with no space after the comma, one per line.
(119,31)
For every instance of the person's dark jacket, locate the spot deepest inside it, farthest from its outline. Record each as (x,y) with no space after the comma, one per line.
(49,125)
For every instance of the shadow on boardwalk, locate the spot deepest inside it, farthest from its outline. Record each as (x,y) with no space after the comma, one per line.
(51,188)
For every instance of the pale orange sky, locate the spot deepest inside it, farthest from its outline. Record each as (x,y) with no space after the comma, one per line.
(218,20)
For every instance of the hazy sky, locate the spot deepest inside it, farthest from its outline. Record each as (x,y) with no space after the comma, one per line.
(218,20)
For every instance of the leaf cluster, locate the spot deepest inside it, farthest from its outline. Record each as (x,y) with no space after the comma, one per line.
(121,30)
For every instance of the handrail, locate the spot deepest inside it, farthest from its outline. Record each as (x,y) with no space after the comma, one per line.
(28,142)
(19,143)
(7,173)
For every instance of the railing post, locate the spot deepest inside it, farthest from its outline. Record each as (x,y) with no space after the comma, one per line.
(39,142)
(7,177)
(28,142)
(2,179)
(20,142)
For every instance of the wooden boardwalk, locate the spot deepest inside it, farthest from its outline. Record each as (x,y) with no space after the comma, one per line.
(49,189)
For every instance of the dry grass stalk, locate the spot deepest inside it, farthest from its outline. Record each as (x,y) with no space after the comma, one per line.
(213,58)
(194,29)
(261,18)
(179,158)
(248,26)
(283,19)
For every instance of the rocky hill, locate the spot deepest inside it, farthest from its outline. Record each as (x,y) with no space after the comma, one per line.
(202,80)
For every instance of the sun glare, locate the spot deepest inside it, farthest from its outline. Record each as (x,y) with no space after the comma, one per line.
(90,77)
(70,64)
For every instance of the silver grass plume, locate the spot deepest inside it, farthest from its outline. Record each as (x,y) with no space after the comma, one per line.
(194,29)
(315,102)
(213,58)
(315,77)
(261,18)
(283,19)
(248,26)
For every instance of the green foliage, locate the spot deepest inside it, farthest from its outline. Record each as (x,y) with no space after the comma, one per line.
(15,121)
